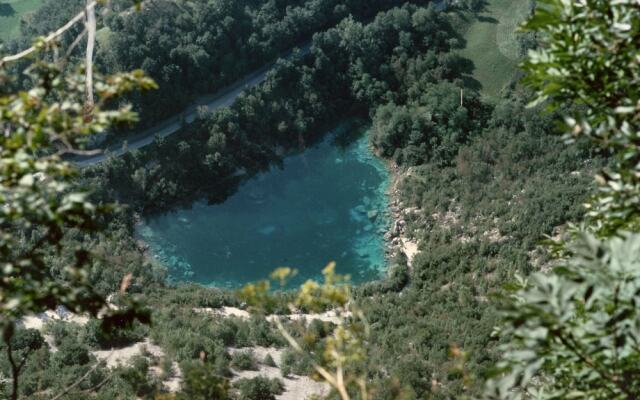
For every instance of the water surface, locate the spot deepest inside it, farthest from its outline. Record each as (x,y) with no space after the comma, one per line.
(327,204)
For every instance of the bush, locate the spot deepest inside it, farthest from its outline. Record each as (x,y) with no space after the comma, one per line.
(259,388)
(268,360)
(286,362)
(97,337)
(202,382)
(72,353)
(61,331)
(137,377)
(244,360)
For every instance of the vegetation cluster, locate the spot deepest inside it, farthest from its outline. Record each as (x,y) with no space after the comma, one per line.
(481,181)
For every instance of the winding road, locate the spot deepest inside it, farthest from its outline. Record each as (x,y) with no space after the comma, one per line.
(223,98)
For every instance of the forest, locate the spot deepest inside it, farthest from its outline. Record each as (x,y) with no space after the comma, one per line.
(299,101)
(487,187)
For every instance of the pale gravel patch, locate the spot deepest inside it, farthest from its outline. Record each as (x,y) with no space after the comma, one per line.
(174,382)
(40,320)
(295,387)
(328,316)
(410,249)
(122,356)
(224,311)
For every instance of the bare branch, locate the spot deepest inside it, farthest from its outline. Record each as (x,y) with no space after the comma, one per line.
(91,42)
(52,36)
(73,45)
(15,371)
(79,381)
(337,383)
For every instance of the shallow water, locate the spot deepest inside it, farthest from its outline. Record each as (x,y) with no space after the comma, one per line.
(326,204)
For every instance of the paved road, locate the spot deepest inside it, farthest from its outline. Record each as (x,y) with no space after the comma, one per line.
(222,98)
(169,126)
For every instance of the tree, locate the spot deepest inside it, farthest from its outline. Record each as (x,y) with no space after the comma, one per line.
(596,72)
(574,333)
(18,348)
(39,202)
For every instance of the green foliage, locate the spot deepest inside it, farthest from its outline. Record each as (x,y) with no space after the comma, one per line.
(597,71)
(513,178)
(432,125)
(97,337)
(70,353)
(244,360)
(505,181)
(36,188)
(292,362)
(300,101)
(39,201)
(204,46)
(269,361)
(184,334)
(574,333)
(259,388)
(336,354)
(496,169)
(286,361)
(26,340)
(201,382)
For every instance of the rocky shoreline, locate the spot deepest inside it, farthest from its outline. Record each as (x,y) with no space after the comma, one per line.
(397,238)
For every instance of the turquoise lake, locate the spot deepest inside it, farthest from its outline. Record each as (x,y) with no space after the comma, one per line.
(328,203)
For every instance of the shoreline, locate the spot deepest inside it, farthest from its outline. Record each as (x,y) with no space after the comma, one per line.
(396,238)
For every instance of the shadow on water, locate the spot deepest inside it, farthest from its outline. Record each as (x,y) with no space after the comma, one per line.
(327,203)
(7,10)
(349,133)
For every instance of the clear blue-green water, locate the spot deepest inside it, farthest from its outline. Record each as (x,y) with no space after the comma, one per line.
(327,204)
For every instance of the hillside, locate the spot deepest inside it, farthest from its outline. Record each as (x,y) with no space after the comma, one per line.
(11,12)
(398,133)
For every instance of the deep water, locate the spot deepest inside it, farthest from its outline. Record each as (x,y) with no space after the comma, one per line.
(326,204)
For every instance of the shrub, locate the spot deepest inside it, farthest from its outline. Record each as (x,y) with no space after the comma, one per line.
(72,353)
(268,360)
(259,388)
(244,360)
(202,382)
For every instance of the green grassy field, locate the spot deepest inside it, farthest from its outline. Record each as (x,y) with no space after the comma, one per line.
(10,13)
(492,45)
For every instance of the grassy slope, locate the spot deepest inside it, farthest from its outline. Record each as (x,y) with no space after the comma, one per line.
(10,13)
(491,43)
